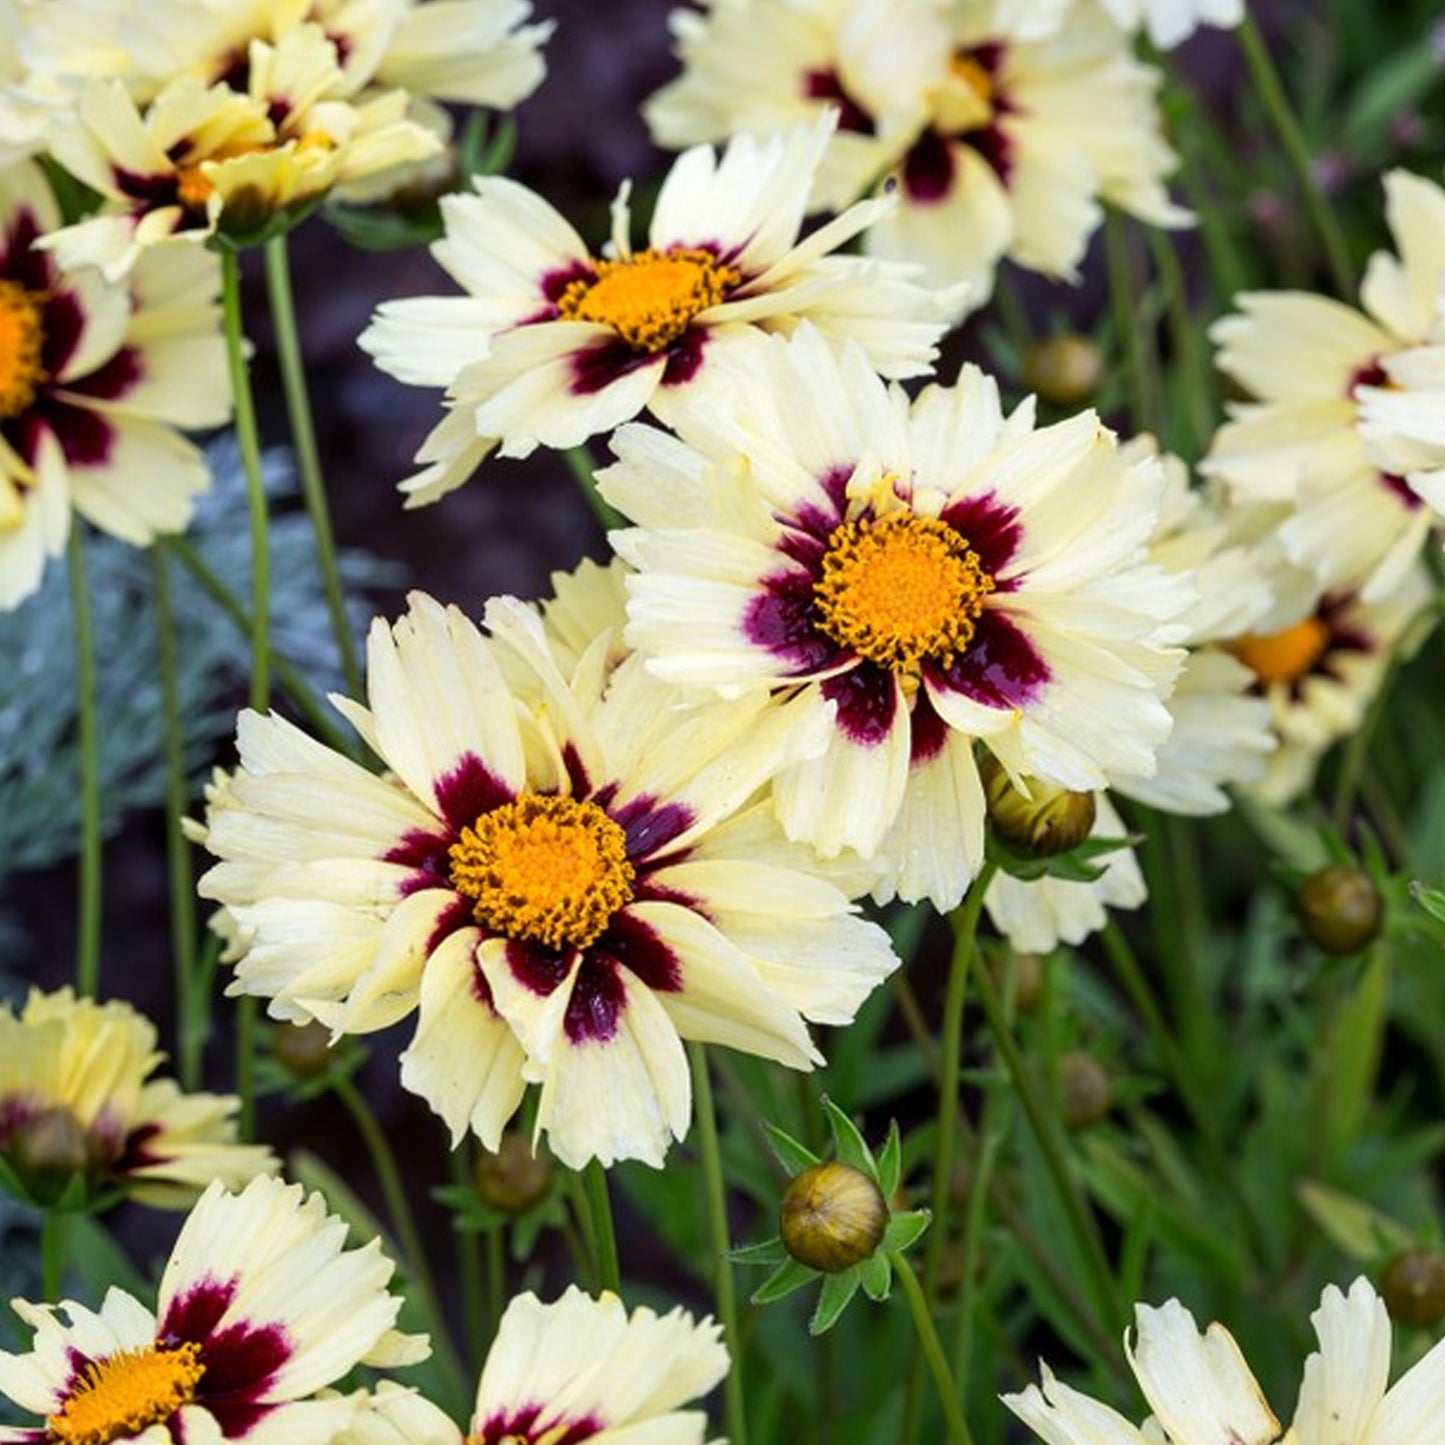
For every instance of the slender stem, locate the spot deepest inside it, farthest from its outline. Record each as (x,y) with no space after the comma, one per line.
(1271,94)
(469,1265)
(190,1029)
(87,949)
(1124,297)
(1044,1124)
(735,1412)
(579,459)
(974,1218)
(308,454)
(248,437)
(965,930)
(54,1226)
(398,1208)
(496,1278)
(604,1237)
(582,1235)
(948,1394)
(1186,340)
(301,695)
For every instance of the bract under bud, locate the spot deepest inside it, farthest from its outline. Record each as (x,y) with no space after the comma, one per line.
(832,1216)
(303,1050)
(1050,820)
(1339,908)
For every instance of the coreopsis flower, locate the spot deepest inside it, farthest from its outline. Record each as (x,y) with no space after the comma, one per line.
(1169,22)
(261,1305)
(561,876)
(200,160)
(77,1101)
(585,1369)
(1003,134)
(1402,417)
(1319,658)
(920,577)
(1200,1390)
(1309,364)
(94,381)
(552,344)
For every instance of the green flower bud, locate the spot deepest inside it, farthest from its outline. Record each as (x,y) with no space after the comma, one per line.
(1339,908)
(1086,1092)
(49,1149)
(1413,1287)
(303,1050)
(1065,370)
(832,1216)
(1051,820)
(514,1178)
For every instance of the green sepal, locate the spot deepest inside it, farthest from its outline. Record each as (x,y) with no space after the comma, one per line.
(792,1274)
(1075,866)
(770,1251)
(238,236)
(1432,900)
(905,1229)
(890,1162)
(838,1291)
(876,1275)
(852,1149)
(791,1155)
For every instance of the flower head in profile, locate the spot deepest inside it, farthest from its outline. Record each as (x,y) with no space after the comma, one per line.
(1200,1390)
(95,379)
(77,1101)
(1003,128)
(1334,392)
(553,344)
(261,1305)
(564,875)
(922,576)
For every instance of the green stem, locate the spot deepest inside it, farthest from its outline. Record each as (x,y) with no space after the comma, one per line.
(496,1277)
(579,459)
(1186,340)
(974,1218)
(1124,297)
(54,1226)
(948,1394)
(469,1265)
(735,1413)
(248,438)
(1271,94)
(190,1028)
(398,1208)
(306,701)
(308,454)
(87,949)
(1043,1122)
(965,932)
(604,1237)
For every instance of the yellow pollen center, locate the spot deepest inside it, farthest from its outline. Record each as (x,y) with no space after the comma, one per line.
(547,869)
(1283,656)
(900,589)
(973,75)
(193,187)
(22,338)
(126,1393)
(649,299)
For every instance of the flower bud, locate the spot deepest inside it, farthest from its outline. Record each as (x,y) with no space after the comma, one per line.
(832,1216)
(303,1050)
(514,1178)
(48,1150)
(1065,370)
(1086,1092)
(1050,820)
(1413,1287)
(1339,908)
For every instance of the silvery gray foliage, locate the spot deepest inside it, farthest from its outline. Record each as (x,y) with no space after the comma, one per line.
(39,759)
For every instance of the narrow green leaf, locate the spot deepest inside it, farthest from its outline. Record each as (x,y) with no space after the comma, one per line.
(852,1148)
(790,1276)
(791,1154)
(770,1251)
(876,1275)
(838,1290)
(1354,1227)
(905,1229)
(890,1161)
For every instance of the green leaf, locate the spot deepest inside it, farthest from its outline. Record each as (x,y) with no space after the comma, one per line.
(791,1154)
(1351,1055)
(852,1148)
(1356,1228)
(1432,900)
(790,1276)
(99,1260)
(905,1229)
(838,1290)
(770,1251)
(876,1275)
